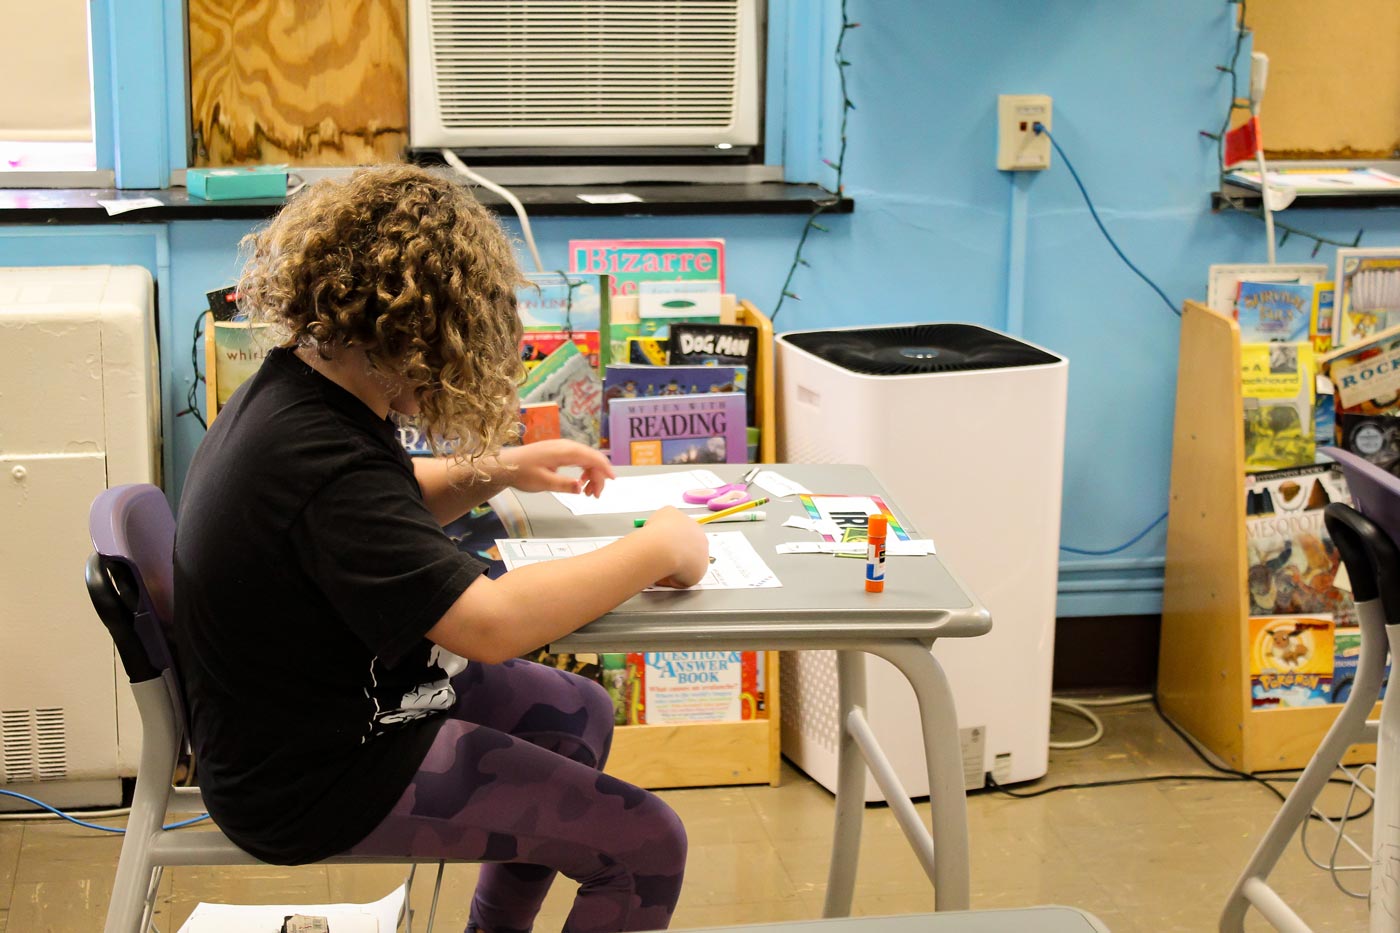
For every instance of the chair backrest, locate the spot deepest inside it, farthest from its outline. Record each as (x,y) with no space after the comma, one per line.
(1376,494)
(131,580)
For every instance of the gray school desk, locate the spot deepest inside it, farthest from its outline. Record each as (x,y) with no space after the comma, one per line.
(821,604)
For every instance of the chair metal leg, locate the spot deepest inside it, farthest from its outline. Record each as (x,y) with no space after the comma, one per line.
(850,789)
(437,888)
(1385,847)
(148,919)
(132,892)
(408,897)
(938,716)
(1350,726)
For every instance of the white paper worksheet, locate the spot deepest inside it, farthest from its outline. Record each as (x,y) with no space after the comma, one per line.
(735,564)
(641,493)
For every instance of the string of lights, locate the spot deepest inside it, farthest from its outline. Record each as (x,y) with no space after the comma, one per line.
(1282,230)
(192,394)
(837,166)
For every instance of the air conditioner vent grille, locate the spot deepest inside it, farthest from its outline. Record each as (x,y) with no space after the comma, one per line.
(501,64)
(35,745)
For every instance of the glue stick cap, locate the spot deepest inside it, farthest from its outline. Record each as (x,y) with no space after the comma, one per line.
(878,526)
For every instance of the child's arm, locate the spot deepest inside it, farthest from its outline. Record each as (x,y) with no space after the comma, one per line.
(450,489)
(495,620)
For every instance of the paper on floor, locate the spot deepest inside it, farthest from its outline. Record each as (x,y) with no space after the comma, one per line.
(736,565)
(382,916)
(641,493)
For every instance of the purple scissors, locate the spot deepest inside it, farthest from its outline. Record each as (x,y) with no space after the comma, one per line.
(717,498)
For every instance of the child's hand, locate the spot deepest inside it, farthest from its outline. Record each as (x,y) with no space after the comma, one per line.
(685,539)
(535,468)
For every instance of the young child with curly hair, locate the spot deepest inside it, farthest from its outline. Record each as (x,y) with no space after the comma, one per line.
(349,672)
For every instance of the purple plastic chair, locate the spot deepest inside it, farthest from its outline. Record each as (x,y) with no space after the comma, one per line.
(130,578)
(1366,536)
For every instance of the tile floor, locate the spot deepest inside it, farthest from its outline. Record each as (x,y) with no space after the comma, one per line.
(1146,858)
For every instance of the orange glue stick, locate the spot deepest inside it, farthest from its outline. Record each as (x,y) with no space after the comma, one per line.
(875,554)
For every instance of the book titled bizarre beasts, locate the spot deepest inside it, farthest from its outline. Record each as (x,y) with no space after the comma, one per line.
(678,429)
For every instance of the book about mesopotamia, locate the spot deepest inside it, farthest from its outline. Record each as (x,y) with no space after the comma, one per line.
(1292,563)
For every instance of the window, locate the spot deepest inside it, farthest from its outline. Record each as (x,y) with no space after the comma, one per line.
(46,97)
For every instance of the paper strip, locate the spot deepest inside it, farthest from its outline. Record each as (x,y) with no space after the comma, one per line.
(779,486)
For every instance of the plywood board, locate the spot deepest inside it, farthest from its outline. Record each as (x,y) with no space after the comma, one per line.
(298,81)
(701,755)
(1333,88)
(1203,683)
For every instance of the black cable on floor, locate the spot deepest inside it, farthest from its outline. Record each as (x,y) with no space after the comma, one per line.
(1223,774)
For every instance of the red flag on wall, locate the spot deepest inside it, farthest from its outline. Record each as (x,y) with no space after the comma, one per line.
(1242,142)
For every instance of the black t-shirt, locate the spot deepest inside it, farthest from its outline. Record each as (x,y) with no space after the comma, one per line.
(307,569)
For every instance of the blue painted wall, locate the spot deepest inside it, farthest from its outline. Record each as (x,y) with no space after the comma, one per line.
(1132,83)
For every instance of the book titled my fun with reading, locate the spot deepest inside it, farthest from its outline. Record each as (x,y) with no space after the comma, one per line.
(678,429)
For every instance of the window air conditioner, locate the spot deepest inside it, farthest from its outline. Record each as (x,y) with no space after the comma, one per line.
(584,73)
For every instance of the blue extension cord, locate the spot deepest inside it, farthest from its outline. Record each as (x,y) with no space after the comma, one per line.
(84,823)
(1122,547)
(1040,128)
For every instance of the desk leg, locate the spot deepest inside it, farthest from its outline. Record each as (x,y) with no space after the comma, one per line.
(952,877)
(850,789)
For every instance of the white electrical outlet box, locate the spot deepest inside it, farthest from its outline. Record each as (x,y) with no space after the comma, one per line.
(1019,147)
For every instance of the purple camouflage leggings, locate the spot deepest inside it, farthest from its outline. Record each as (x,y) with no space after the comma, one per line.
(514,779)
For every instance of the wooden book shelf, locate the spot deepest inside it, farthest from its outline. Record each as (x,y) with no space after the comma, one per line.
(1203,680)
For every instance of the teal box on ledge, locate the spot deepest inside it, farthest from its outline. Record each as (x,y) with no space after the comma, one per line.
(222,184)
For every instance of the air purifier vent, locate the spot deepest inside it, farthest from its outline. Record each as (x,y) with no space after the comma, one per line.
(919,349)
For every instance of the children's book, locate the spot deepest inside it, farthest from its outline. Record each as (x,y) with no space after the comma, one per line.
(631,262)
(539,421)
(1323,319)
(1290,660)
(1365,374)
(663,304)
(1375,438)
(1291,562)
(716,344)
(567,379)
(630,381)
(1274,311)
(1367,293)
(555,301)
(1346,657)
(646,351)
(1279,381)
(678,429)
(537,345)
(239,348)
(697,687)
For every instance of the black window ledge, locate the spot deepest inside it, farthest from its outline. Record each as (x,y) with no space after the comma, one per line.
(79,205)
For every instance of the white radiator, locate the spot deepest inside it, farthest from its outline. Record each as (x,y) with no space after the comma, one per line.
(79,411)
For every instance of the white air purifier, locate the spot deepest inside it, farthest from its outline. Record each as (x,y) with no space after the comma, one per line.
(79,411)
(965,428)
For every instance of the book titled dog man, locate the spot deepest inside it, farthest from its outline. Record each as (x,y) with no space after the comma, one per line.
(678,429)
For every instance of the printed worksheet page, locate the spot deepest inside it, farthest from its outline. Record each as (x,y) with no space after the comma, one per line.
(734,564)
(641,493)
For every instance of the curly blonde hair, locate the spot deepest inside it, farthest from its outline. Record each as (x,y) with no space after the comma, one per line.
(406,265)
